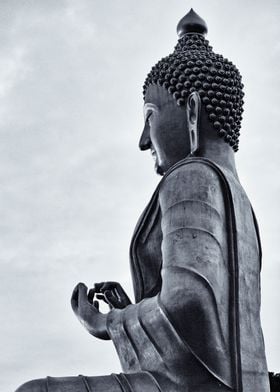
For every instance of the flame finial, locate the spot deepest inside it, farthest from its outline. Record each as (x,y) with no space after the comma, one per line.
(191,23)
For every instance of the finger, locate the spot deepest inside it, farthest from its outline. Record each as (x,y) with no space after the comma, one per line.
(117,289)
(108,286)
(74,298)
(116,293)
(120,291)
(112,300)
(121,295)
(101,297)
(82,294)
(96,304)
(97,287)
(91,294)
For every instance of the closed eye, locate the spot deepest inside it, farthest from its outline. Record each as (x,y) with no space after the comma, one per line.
(149,109)
(148,118)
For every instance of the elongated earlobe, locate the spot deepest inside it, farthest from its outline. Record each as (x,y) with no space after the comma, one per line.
(193,121)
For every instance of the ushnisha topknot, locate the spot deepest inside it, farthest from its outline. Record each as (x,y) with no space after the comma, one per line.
(193,66)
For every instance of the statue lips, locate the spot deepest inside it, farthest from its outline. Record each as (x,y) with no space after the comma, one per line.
(158,169)
(154,154)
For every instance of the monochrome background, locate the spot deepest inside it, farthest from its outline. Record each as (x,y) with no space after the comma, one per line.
(73,181)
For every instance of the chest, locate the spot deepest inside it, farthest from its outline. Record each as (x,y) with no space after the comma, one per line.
(146,256)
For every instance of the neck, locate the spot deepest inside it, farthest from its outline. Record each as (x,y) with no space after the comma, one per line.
(219,152)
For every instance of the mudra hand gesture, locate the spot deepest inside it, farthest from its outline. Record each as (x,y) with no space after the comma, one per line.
(86,307)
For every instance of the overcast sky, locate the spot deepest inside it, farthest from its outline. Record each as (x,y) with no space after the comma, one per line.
(73,182)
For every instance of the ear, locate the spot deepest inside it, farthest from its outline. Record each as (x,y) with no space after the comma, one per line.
(193,121)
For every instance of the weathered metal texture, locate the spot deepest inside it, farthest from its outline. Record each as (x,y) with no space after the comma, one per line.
(202,330)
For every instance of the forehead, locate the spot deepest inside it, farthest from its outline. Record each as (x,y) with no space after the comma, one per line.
(159,96)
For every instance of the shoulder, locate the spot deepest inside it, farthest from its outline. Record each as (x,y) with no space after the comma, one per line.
(193,179)
(195,170)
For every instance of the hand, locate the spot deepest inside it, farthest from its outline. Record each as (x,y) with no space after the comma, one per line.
(113,294)
(87,312)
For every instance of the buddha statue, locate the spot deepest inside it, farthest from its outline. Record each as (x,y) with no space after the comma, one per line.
(195,254)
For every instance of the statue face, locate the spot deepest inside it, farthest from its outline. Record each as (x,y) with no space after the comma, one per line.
(165,132)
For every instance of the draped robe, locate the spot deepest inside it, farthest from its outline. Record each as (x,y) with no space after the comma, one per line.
(195,263)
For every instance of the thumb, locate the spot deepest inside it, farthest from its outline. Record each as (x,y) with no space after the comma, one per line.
(82,294)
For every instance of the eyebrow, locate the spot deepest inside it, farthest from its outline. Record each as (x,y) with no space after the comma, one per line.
(150,106)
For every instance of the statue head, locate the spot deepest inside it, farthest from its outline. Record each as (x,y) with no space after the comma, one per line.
(191,96)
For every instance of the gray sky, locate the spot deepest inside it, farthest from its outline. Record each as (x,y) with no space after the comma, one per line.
(73,182)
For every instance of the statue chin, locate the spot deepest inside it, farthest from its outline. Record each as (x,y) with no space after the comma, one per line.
(157,166)
(159,170)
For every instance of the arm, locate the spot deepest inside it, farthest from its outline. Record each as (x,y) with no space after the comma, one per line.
(193,302)
(195,260)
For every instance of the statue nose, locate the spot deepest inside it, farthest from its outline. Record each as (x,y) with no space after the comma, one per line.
(145,141)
